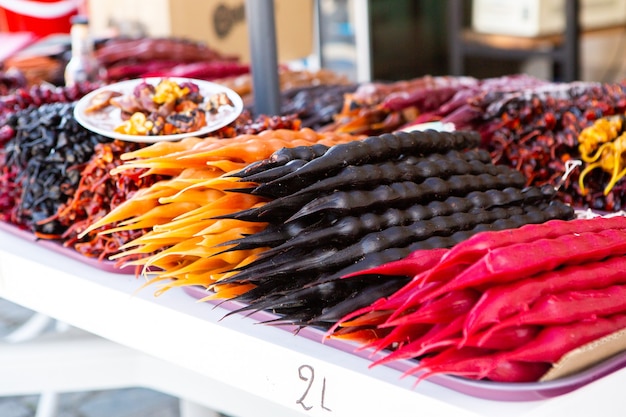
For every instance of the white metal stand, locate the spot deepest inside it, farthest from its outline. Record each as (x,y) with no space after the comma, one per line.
(30,330)
(48,404)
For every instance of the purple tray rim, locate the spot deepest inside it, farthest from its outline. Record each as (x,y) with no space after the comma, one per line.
(105,265)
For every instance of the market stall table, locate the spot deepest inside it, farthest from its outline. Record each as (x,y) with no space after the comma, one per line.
(235,365)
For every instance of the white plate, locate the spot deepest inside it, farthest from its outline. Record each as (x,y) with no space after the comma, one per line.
(438,126)
(105,121)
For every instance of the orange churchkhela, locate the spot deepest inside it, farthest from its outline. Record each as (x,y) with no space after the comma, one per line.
(181,243)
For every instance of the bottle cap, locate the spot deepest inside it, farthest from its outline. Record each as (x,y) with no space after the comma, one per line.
(79,19)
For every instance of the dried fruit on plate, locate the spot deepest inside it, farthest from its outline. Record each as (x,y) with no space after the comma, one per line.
(166,108)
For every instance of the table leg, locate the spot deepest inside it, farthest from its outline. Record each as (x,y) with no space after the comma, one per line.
(48,404)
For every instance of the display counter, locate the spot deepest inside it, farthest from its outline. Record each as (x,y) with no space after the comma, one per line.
(233,364)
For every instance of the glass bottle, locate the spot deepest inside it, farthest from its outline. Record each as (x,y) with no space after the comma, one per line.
(83,65)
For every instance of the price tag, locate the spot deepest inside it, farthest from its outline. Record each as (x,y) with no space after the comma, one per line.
(314,389)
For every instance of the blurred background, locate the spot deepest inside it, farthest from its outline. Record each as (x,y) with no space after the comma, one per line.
(363,40)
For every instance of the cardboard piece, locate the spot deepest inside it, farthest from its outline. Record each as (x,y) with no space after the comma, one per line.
(542,17)
(587,355)
(221,24)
